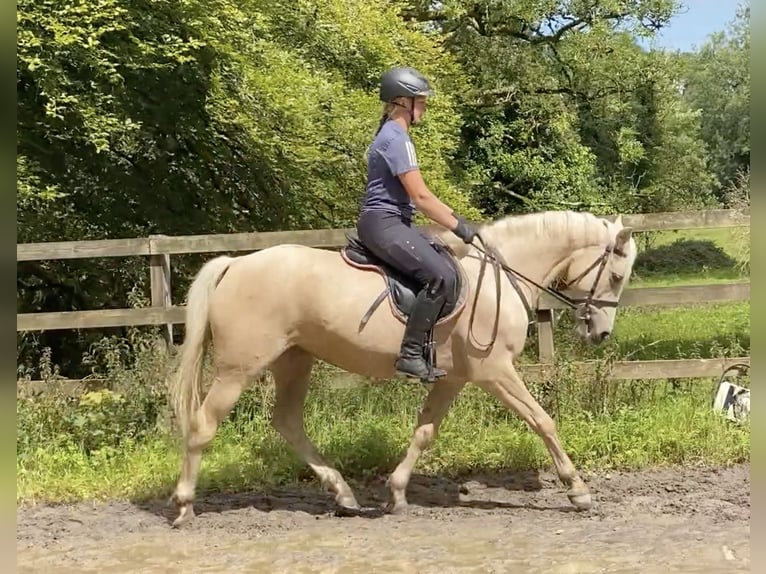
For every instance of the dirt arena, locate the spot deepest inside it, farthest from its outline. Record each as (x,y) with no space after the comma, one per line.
(692,520)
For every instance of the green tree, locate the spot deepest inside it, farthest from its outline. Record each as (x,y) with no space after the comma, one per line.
(567,111)
(189,117)
(718,86)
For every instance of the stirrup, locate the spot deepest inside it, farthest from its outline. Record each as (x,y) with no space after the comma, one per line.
(432,374)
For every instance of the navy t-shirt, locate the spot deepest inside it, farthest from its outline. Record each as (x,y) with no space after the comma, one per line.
(390,154)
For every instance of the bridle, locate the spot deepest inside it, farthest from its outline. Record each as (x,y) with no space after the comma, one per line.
(590,301)
(585,304)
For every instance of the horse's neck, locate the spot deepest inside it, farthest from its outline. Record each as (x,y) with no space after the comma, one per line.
(538,245)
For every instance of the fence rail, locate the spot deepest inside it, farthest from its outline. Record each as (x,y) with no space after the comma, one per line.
(619,371)
(330,238)
(159,248)
(632,297)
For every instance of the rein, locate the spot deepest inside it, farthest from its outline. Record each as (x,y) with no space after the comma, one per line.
(490,254)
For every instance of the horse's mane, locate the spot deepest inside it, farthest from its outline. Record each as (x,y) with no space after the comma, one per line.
(580,227)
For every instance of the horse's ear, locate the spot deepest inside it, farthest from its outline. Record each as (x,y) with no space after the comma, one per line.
(618,221)
(623,236)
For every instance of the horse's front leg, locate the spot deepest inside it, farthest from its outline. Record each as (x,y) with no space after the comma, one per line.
(512,392)
(434,409)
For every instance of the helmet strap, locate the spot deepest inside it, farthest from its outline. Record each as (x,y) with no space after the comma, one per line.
(410,110)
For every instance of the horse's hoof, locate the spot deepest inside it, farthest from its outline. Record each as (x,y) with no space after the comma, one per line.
(581,501)
(347,510)
(185,516)
(358,511)
(400,508)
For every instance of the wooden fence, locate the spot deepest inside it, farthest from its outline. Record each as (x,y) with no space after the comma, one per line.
(162,311)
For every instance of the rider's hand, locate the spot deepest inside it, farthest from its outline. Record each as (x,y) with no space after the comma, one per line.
(464,230)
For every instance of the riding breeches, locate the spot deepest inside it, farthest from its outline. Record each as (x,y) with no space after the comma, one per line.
(406,249)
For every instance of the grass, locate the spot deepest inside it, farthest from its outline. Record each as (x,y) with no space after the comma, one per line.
(116,443)
(688,332)
(667,427)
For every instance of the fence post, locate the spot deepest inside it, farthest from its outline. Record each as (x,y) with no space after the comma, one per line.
(159,277)
(545,335)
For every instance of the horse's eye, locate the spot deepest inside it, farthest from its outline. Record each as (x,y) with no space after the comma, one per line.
(616,278)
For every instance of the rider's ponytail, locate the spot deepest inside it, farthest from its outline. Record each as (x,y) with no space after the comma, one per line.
(383,119)
(387,109)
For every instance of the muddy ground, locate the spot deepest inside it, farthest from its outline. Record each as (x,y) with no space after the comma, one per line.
(690,520)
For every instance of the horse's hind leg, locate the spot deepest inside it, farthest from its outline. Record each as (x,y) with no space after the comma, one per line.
(291,383)
(223,394)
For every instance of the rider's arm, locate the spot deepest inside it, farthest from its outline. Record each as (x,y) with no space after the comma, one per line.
(402,160)
(425,201)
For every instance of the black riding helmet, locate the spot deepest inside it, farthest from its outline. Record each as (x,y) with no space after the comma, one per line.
(403,82)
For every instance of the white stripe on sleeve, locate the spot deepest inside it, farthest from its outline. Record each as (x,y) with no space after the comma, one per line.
(411,154)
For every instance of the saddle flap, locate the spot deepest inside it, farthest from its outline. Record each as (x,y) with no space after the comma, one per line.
(402,289)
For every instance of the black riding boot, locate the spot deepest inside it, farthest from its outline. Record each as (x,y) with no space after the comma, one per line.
(411,361)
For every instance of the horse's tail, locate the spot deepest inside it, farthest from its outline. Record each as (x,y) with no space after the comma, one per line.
(186,385)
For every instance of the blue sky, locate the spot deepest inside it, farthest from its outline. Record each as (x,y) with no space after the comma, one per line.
(695,22)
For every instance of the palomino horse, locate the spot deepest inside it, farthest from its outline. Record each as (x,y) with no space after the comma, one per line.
(286,306)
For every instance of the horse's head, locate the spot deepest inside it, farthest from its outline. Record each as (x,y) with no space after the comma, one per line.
(597,275)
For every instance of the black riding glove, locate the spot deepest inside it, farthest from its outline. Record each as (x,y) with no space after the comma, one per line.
(464,230)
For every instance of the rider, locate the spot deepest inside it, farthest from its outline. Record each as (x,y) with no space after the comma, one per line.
(395,188)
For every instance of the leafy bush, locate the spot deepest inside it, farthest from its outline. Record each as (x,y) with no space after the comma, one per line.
(128,405)
(684,256)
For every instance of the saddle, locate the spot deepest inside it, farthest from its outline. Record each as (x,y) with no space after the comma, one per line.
(401,290)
